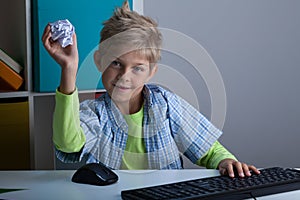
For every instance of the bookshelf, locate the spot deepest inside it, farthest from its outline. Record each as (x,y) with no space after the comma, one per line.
(16,105)
(18,40)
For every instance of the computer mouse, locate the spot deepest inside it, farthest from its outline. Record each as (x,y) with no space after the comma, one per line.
(94,174)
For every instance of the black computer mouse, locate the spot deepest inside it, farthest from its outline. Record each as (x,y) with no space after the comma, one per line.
(94,174)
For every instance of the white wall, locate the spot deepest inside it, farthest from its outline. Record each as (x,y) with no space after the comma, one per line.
(255,45)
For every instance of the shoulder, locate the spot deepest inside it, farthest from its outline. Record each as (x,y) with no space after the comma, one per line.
(161,95)
(156,91)
(93,105)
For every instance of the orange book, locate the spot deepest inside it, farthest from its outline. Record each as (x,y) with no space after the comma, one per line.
(5,87)
(10,77)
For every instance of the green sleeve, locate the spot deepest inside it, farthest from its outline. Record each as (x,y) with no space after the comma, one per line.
(68,136)
(214,155)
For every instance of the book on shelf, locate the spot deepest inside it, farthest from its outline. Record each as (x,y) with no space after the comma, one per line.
(9,79)
(10,62)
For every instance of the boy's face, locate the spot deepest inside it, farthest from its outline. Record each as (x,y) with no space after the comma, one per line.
(125,77)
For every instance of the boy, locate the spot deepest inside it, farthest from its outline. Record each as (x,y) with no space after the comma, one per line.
(134,125)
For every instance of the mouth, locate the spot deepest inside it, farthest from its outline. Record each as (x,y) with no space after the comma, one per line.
(121,87)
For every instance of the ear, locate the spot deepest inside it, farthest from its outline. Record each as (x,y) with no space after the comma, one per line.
(97,61)
(153,71)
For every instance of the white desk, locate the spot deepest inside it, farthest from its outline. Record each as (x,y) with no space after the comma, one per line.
(57,185)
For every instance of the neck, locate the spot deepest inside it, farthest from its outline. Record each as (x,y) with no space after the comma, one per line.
(131,107)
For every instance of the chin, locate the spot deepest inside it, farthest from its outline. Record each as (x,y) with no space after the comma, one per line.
(120,99)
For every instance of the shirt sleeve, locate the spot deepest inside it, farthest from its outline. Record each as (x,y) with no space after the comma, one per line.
(68,135)
(214,155)
(193,133)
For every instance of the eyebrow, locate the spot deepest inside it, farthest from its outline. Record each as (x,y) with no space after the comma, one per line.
(120,60)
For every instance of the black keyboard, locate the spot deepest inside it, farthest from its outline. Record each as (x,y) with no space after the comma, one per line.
(269,181)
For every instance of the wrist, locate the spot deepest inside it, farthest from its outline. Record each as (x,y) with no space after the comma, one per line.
(69,68)
(221,163)
(68,80)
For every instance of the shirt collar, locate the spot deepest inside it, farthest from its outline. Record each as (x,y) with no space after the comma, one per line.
(147,93)
(114,113)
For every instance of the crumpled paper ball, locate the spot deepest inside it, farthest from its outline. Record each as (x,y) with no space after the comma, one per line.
(62,30)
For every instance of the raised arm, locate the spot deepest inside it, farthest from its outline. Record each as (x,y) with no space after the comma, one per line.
(68,136)
(66,57)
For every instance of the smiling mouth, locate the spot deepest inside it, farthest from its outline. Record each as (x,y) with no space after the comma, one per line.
(121,87)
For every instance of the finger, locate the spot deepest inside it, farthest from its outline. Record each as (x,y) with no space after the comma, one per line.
(46,33)
(239,168)
(223,171)
(74,38)
(230,171)
(46,38)
(246,169)
(254,169)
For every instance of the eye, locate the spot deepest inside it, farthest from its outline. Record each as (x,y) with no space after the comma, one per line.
(138,68)
(116,64)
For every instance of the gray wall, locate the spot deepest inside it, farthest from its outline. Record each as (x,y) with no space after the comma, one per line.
(256,46)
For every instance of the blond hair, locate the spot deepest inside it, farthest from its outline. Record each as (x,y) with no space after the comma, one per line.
(134,30)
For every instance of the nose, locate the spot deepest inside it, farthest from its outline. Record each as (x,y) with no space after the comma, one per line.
(124,74)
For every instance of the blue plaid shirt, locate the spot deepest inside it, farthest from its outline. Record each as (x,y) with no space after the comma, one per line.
(170,125)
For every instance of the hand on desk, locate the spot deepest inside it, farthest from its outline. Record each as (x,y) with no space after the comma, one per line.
(228,166)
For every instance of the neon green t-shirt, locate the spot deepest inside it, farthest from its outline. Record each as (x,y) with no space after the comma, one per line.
(135,156)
